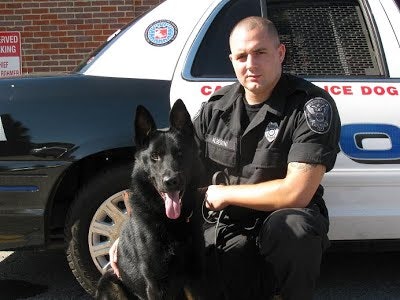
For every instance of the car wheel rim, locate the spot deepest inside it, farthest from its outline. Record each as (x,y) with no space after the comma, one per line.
(105,228)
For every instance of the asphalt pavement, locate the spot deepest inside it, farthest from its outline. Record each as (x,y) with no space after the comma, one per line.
(37,275)
(46,275)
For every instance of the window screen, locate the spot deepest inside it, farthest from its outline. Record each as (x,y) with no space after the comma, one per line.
(323,38)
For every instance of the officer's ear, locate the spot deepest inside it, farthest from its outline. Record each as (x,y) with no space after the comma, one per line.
(282,52)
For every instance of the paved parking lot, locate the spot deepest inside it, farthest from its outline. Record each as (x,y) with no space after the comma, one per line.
(37,275)
(46,275)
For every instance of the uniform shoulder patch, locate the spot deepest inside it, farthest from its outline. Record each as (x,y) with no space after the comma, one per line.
(318,113)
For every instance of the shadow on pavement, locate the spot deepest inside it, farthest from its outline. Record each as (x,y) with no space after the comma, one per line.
(38,275)
(13,289)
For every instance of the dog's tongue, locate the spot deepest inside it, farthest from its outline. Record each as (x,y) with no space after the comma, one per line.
(172,205)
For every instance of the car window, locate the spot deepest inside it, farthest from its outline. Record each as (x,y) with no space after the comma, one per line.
(212,58)
(103,47)
(323,39)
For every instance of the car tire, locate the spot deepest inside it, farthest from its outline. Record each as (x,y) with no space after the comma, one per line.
(93,223)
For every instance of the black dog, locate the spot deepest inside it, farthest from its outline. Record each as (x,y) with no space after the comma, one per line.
(160,252)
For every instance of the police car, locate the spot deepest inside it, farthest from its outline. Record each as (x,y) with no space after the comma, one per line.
(66,145)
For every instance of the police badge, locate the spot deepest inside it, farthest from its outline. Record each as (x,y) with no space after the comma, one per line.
(318,112)
(271,131)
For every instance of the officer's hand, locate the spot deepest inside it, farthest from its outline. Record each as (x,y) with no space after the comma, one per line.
(215,197)
(114,257)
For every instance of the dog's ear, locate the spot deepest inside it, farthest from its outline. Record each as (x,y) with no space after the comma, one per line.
(179,117)
(144,125)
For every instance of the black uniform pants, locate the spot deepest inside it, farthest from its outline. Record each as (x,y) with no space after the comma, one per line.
(253,260)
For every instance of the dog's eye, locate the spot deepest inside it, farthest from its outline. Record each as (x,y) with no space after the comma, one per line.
(155,156)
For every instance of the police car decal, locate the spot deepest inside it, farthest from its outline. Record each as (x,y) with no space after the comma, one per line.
(318,112)
(161,33)
(271,131)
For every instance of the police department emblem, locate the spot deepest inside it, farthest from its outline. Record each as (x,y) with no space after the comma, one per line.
(161,33)
(318,112)
(271,131)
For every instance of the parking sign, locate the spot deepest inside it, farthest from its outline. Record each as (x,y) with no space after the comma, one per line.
(10,53)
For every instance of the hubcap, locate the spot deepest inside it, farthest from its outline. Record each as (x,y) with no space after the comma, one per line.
(105,228)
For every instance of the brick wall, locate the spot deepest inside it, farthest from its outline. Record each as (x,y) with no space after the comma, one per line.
(56,35)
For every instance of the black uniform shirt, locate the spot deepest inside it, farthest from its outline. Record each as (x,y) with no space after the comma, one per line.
(298,123)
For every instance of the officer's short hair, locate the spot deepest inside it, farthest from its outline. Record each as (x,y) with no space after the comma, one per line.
(256,21)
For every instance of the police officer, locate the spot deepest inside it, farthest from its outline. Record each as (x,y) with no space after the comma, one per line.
(269,139)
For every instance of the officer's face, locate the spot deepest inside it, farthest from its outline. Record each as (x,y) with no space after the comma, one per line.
(257,61)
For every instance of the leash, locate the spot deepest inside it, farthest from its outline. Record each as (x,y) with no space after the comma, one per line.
(219,177)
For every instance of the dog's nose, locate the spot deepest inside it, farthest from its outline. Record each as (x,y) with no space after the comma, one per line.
(171,182)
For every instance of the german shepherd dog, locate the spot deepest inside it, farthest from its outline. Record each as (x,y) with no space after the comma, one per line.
(160,252)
